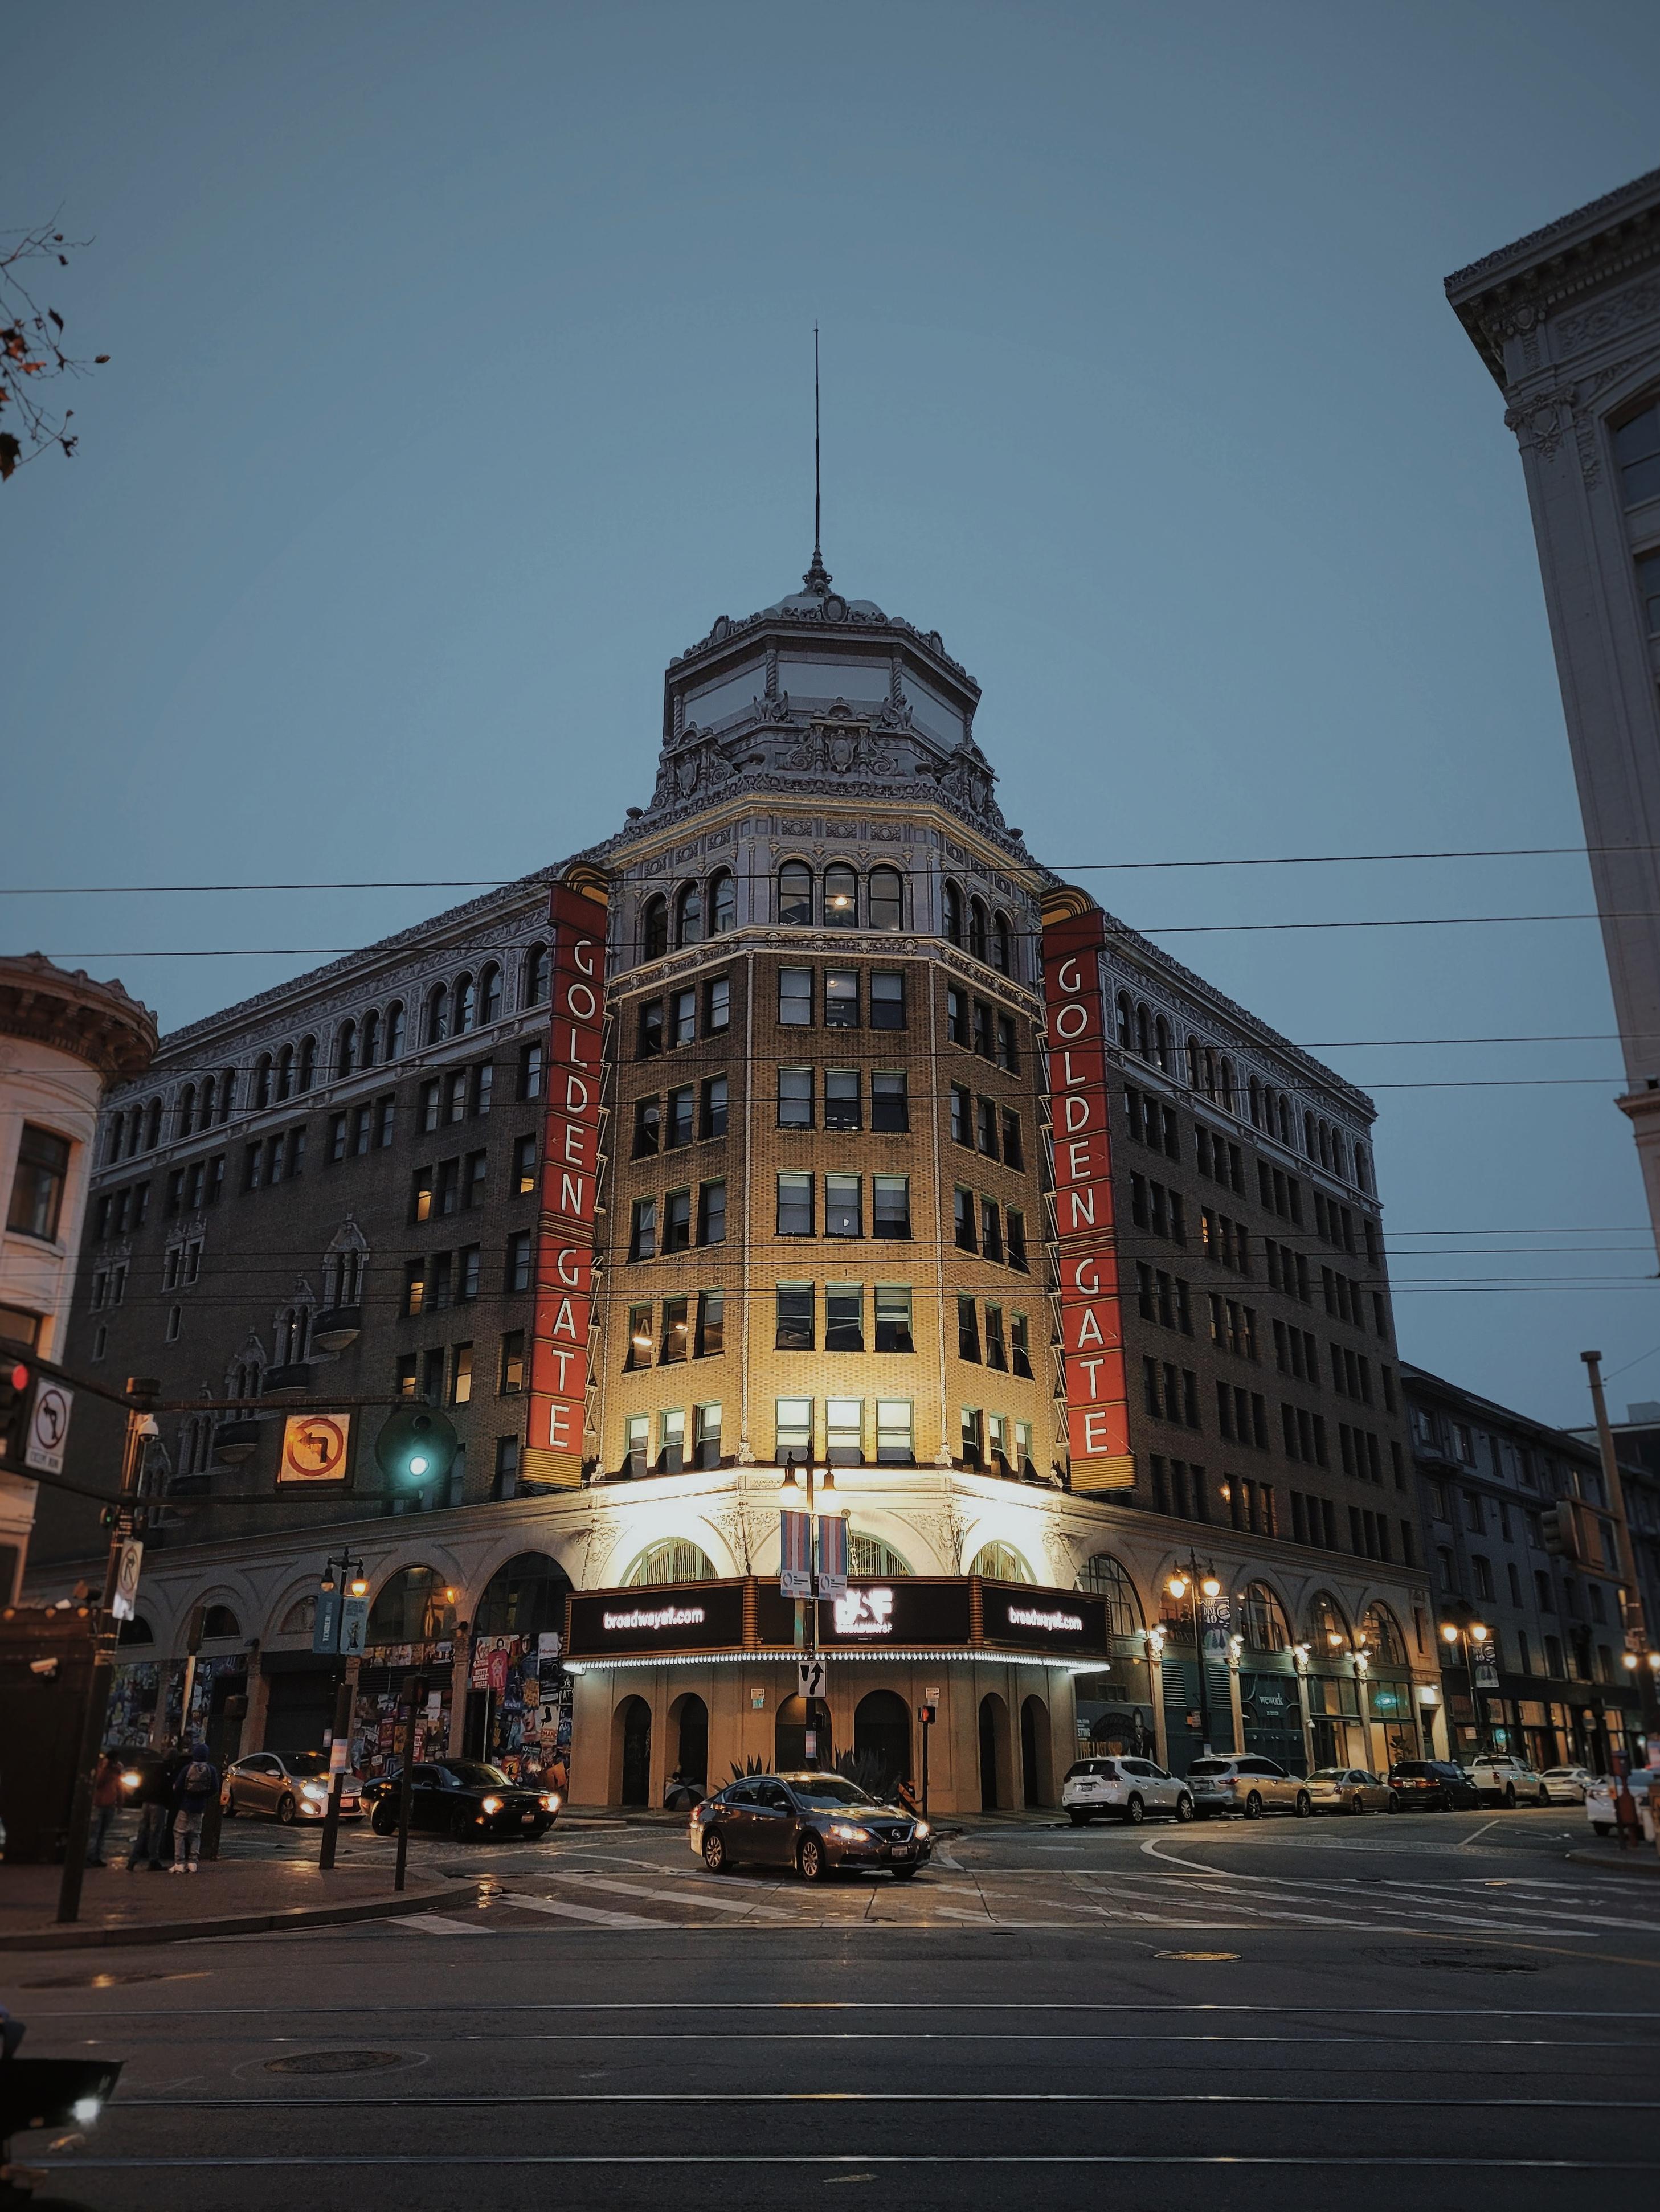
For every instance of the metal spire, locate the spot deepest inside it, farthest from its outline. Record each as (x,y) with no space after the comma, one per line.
(818,576)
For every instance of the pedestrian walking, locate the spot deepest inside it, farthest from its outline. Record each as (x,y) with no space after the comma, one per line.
(197,1786)
(105,1798)
(155,1807)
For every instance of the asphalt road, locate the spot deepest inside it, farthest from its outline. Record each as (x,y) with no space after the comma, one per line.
(1443,2010)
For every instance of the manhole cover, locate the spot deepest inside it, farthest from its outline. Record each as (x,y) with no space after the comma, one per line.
(1474,1961)
(334,2062)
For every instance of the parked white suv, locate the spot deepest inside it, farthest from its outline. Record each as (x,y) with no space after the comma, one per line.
(1245,1786)
(1503,1780)
(1128,1787)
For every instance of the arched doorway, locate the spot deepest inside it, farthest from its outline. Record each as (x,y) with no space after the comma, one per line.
(688,1733)
(507,1718)
(634,1726)
(790,1736)
(995,1793)
(881,1735)
(1036,1768)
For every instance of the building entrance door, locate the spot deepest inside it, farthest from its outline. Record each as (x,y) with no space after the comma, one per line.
(636,1752)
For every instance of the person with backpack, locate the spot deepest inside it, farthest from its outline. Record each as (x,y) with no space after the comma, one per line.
(197,1786)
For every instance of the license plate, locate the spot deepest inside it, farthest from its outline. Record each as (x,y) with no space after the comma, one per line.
(903,1851)
(527,1819)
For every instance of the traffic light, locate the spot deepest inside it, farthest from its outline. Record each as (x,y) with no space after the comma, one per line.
(1557,1523)
(17,1374)
(416,1444)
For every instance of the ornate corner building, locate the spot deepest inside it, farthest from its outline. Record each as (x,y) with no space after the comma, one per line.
(808,1120)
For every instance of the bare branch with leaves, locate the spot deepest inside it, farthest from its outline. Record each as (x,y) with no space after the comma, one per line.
(32,354)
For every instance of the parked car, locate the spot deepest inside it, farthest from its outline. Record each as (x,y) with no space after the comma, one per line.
(1602,1789)
(1350,1789)
(285,1786)
(816,1823)
(1129,1788)
(1244,1787)
(1432,1786)
(1565,1785)
(464,1799)
(1500,1779)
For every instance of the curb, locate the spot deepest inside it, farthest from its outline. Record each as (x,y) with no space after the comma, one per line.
(1645,1864)
(78,1938)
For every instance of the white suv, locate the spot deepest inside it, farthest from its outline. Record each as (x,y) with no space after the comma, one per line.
(1129,1788)
(1503,1780)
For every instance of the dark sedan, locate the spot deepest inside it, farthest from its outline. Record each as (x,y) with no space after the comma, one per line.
(816,1823)
(1432,1786)
(463,1799)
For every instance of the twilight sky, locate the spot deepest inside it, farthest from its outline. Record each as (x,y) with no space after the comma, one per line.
(462,375)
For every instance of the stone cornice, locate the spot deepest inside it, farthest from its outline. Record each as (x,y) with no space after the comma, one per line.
(100,1024)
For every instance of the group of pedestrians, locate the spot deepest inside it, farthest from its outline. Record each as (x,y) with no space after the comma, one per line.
(172,1797)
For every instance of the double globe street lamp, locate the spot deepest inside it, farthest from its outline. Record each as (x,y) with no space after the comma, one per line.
(1191,1585)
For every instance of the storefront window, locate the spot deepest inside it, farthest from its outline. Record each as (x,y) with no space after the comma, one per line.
(413,1607)
(677,1560)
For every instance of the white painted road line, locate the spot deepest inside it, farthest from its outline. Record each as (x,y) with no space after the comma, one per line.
(684,1891)
(436,1923)
(564,1911)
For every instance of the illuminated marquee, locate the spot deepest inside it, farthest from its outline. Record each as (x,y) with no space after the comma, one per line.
(661,1616)
(1092,1343)
(865,1612)
(570,1166)
(1026,1616)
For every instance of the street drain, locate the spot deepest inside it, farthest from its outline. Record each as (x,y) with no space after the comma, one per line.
(335,2062)
(1195,1954)
(1473,1961)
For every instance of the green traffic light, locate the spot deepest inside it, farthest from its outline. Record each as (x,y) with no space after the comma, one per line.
(416,1443)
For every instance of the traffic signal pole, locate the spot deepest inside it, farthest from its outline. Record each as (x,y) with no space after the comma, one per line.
(1631,1595)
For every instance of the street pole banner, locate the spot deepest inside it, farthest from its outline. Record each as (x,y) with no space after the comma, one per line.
(570,1172)
(795,1554)
(832,1557)
(325,1623)
(1093,1344)
(354,1625)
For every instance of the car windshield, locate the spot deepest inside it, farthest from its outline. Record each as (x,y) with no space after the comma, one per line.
(473,1774)
(305,1762)
(829,1790)
(1211,1766)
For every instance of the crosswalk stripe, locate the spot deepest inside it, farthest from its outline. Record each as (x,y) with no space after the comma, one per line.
(684,1891)
(436,1924)
(568,1911)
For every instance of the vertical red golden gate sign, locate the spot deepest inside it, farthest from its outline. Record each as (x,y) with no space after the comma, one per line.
(570,1168)
(1093,1340)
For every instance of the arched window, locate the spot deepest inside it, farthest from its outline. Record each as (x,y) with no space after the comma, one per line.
(871,1560)
(1144,1032)
(413,1607)
(114,1131)
(795,895)
(1195,1063)
(953,913)
(688,915)
(1225,1081)
(466,1004)
(438,1014)
(526,1597)
(887,899)
(654,927)
(153,1126)
(395,1030)
(1210,1072)
(1285,1123)
(1380,1631)
(205,1115)
(1310,1144)
(489,994)
(723,903)
(371,1036)
(345,1048)
(1262,1620)
(186,1108)
(1362,1168)
(218,1620)
(1325,1144)
(537,975)
(1002,945)
(977,929)
(1255,1094)
(293,1335)
(1328,1633)
(1125,1023)
(677,1561)
(841,897)
(262,1081)
(1001,1563)
(284,1072)
(1104,1577)
(1161,1044)
(306,1073)
(1337,1166)
(137,1631)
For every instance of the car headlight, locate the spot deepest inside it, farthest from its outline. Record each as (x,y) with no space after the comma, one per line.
(845,1833)
(86,2109)
(316,1791)
(551,1802)
(922,1829)
(491,1805)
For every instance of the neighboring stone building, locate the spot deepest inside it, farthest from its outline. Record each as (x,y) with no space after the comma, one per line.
(1492,1486)
(726,1145)
(63,1037)
(1567,321)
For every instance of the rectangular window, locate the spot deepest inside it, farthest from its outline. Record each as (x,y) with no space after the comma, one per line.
(893,1431)
(795,998)
(671,1440)
(274,1159)
(711,1323)
(1015,1223)
(792,1427)
(440,1276)
(1014,1152)
(713,1116)
(795,1205)
(890,1103)
(973,1452)
(650,1038)
(964,1216)
(996,1351)
(717,1012)
(997,1442)
(175,1193)
(519,1260)
(643,1235)
(648,1127)
(1022,1446)
(432,1374)
(523,1167)
(677,1332)
(795,1330)
(680,1121)
(1020,1345)
(891,1206)
(982,1029)
(962,1114)
(841,1099)
(893,1331)
(385,1121)
(638,1354)
(844,1431)
(461,1376)
(841,997)
(483,1084)
(513,1363)
(472,1180)
(455,1096)
(532,1064)
(408,1375)
(956,1015)
(706,1435)
(712,1213)
(429,1104)
(638,1445)
(844,1206)
(1008,1044)
(506,1467)
(844,1317)
(968,1330)
(683,1013)
(887,1001)
(985,1127)
(677,1221)
(991,1230)
(466,1274)
(449,1185)
(795,1098)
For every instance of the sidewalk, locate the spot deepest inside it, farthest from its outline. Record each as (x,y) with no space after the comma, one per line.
(230,1897)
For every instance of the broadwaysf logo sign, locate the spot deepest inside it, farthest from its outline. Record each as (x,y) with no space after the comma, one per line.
(1026,1616)
(865,1612)
(662,1616)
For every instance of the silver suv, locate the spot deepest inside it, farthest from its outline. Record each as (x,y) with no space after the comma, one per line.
(1244,1787)
(1129,1788)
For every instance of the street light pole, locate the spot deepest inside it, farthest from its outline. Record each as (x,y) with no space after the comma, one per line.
(344,1698)
(1189,1585)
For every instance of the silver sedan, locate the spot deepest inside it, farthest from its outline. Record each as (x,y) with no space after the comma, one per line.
(1565,1785)
(1350,1789)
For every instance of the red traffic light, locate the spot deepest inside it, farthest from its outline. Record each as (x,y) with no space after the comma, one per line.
(19,1377)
